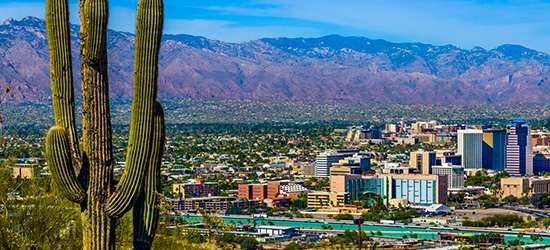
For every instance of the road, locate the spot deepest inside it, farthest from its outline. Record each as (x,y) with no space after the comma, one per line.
(532,211)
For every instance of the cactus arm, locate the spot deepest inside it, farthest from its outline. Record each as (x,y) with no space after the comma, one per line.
(149,22)
(146,210)
(61,73)
(98,12)
(59,159)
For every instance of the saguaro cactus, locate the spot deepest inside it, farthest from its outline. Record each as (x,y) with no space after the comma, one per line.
(86,176)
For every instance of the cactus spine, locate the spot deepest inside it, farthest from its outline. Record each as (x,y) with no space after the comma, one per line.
(87,178)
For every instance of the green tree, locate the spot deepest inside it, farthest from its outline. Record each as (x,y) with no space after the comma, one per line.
(343,217)
(32,217)
(510,199)
(249,243)
(292,246)
(194,237)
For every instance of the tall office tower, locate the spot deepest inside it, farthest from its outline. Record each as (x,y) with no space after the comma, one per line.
(519,150)
(325,160)
(423,161)
(494,149)
(470,146)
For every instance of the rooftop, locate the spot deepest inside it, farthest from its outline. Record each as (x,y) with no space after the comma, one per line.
(274,227)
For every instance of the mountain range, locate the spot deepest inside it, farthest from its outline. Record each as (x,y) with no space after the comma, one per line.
(329,69)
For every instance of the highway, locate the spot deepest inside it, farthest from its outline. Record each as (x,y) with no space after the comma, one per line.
(396,230)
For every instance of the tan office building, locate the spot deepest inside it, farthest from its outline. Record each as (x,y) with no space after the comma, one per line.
(521,186)
(423,161)
(327,199)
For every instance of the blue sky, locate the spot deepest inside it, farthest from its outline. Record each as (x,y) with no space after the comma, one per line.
(459,22)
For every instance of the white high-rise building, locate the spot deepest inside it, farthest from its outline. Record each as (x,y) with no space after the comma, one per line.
(325,160)
(455,174)
(470,146)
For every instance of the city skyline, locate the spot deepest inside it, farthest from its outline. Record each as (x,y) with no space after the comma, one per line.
(462,23)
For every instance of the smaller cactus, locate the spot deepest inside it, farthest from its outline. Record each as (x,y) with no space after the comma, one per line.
(149,23)
(59,159)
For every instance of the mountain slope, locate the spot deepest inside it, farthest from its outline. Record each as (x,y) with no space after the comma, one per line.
(330,69)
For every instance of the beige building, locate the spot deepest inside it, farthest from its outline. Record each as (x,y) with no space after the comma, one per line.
(520,186)
(308,170)
(340,170)
(400,170)
(423,161)
(25,171)
(425,138)
(406,141)
(396,202)
(327,199)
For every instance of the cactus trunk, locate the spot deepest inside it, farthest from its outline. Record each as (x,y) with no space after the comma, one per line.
(98,228)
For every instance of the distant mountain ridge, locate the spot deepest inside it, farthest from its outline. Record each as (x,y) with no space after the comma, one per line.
(329,69)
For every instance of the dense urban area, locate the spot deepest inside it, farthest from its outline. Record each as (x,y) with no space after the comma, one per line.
(254,175)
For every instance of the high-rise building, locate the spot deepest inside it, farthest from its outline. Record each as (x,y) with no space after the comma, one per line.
(423,161)
(325,160)
(455,174)
(355,164)
(494,149)
(447,156)
(470,146)
(519,151)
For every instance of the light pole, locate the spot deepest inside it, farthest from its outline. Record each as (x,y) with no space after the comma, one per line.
(359,222)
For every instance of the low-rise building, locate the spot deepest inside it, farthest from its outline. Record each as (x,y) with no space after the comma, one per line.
(327,199)
(400,170)
(271,190)
(522,186)
(276,230)
(197,189)
(210,203)
(25,170)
